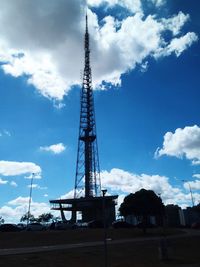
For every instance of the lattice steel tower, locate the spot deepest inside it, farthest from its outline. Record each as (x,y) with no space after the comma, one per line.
(87,181)
(87,200)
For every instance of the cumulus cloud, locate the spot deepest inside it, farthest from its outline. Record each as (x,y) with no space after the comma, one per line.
(175,23)
(55,149)
(44,41)
(178,45)
(196,162)
(133,6)
(158,3)
(14,209)
(19,201)
(12,168)
(123,182)
(34,176)
(10,214)
(13,183)
(197,175)
(37,186)
(13,214)
(3,181)
(182,143)
(5,133)
(120,180)
(193,185)
(69,194)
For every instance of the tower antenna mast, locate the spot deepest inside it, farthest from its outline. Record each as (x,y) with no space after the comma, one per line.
(87,180)
(87,199)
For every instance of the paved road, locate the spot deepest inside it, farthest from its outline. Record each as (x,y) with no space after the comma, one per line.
(26,250)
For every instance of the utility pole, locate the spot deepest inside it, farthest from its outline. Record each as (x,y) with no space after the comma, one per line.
(191,194)
(105,230)
(30,196)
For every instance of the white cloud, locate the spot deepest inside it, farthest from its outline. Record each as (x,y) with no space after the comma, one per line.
(194,185)
(36,186)
(13,214)
(197,175)
(175,23)
(196,162)
(19,201)
(45,42)
(118,180)
(158,3)
(9,214)
(34,176)
(13,183)
(13,211)
(124,181)
(3,181)
(5,133)
(132,5)
(69,194)
(144,66)
(182,143)
(119,202)
(178,45)
(56,149)
(12,168)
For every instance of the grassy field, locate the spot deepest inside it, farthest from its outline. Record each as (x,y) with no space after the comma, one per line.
(184,251)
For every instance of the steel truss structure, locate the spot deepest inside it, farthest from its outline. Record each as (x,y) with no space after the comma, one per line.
(87,180)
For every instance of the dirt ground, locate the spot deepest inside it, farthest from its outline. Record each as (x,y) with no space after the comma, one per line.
(29,239)
(183,252)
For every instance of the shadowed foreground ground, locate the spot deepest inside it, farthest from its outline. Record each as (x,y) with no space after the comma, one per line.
(184,251)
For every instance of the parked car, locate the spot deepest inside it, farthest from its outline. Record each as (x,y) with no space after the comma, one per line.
(148,225)
(21,226)
(80,225)
(195,225)
(95,224)
(8,227)
(35,227)
(63,225)
(121,224)
(52,226)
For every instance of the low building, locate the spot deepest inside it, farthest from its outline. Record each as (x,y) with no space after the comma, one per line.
(93,208)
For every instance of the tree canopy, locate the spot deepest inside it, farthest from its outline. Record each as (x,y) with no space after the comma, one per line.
(196,208)
(1,220)
(27,216)
(142,203)
(45,217)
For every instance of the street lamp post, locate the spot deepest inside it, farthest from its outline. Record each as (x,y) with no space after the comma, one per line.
(104,226)
(191,194)
(30,196)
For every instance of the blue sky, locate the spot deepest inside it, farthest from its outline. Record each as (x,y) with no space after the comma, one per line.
(145,63)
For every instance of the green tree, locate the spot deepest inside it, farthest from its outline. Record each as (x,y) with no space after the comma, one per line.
(45,217)
(196,208)
(24,218)
(56,219)
(1,220)
(143,203)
